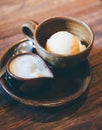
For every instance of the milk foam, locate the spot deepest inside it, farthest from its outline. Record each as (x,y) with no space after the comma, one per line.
(27,66)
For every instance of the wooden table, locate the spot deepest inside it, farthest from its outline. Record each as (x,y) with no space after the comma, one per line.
(78,115)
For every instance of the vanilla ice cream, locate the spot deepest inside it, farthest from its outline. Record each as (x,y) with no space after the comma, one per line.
(64,43)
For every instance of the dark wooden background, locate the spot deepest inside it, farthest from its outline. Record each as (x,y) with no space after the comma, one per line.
(81,114)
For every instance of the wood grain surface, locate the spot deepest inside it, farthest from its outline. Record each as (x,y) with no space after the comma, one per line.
(85,113)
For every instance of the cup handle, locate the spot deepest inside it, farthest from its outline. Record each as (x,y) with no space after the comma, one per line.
(28,29)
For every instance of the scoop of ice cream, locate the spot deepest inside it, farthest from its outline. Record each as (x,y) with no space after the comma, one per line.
(64,43)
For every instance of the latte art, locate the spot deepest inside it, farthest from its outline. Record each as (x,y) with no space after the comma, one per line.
(27,66)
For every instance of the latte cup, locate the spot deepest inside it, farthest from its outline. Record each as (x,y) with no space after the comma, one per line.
(27,72)
(41,32)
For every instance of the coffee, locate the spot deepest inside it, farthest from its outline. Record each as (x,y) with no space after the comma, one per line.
(27,66)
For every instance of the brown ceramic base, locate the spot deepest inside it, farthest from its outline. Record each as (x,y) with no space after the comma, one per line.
(66,86)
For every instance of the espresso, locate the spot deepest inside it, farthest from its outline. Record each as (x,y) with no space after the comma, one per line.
(28,66)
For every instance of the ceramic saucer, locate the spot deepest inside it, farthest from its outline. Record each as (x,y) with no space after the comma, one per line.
(66,86)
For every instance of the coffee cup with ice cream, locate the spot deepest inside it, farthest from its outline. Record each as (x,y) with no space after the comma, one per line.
(62,42)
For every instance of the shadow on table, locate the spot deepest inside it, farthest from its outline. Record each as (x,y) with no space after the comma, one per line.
(56,113)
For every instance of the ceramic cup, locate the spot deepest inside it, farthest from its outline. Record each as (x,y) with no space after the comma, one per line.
(26,72)
(42,31)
